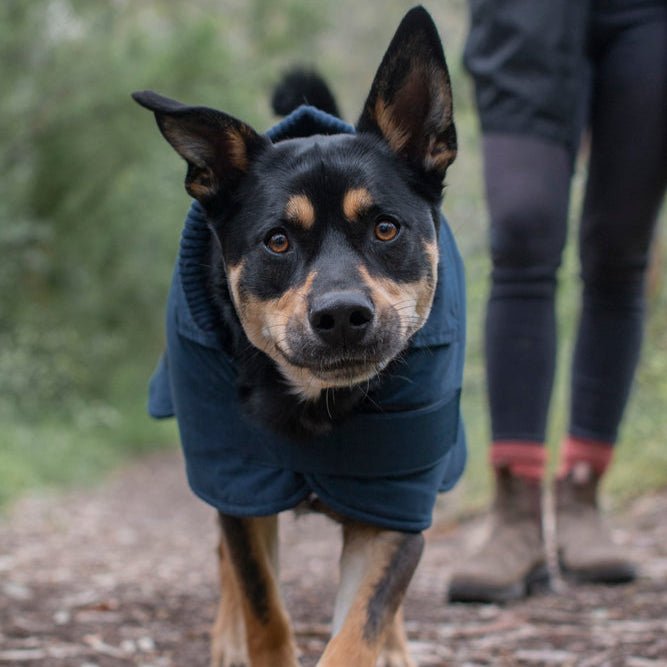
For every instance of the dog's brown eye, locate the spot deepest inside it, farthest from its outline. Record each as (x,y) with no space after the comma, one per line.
(277,241)
(386,230)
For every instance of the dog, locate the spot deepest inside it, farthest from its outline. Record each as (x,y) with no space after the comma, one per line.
(315,342)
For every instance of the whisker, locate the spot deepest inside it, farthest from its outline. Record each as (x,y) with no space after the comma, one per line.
(326,401)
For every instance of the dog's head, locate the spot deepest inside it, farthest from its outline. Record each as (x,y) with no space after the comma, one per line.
(330,242)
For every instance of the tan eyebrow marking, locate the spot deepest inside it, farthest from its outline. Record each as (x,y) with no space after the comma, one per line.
(300,210)
(356,202)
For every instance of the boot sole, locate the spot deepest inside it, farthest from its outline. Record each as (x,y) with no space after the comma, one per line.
(536,581)
(612,574)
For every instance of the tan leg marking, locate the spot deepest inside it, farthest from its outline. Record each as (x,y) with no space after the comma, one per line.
(376,568)
(252,547)
(395,650)
(228,636)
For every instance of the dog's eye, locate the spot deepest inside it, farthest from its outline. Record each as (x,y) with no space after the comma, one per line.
(386,230)
(277,241)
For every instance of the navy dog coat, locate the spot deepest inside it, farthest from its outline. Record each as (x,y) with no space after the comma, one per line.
(384,464)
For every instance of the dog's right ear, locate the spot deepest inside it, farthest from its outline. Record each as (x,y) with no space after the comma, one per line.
(410,101)
(218,148)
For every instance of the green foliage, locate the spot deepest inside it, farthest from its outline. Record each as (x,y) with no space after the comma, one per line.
(91,205)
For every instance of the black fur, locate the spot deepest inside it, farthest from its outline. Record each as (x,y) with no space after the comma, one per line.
(300,86)
(238,538)
(389,590)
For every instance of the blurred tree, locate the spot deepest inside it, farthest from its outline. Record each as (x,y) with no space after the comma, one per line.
(90,199)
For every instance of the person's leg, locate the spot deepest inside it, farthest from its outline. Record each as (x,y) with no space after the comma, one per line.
(527,59)
(528,183)
(626,183)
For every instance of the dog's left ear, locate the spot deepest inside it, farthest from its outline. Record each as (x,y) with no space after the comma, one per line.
(410,102)
(218,148)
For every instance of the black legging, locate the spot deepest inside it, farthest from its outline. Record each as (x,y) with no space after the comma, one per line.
(528,181)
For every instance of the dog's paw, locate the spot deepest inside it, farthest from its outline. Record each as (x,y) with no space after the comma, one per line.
(226,654)
(227,660)
(395,658)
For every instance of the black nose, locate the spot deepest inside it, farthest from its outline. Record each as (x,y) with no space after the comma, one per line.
(341,318)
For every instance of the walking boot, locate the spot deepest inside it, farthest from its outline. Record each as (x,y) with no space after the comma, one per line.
(511,563)
(586,551)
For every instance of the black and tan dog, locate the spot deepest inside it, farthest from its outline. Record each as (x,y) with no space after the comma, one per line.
(320,265)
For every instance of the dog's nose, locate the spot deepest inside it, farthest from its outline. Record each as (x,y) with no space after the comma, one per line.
(341,318)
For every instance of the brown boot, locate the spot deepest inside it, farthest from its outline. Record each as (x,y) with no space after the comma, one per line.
(586,552)
(512,561)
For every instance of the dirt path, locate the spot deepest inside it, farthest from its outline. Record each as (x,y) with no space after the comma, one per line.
(125,575)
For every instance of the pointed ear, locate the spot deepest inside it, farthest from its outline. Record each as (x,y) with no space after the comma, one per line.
(217,147)
(410,102)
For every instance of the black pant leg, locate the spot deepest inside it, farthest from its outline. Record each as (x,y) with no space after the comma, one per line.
(626,183)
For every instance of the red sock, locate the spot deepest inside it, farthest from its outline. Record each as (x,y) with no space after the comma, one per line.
(575,450)
(523,458)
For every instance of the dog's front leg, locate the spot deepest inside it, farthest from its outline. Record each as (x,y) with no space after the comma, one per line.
(229,646)
(249,553)
(376,568)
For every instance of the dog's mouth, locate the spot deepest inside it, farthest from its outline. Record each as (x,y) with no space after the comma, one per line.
(350,371)
(308,360)
(342,369)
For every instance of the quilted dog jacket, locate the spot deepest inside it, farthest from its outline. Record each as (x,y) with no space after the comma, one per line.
(384,464)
